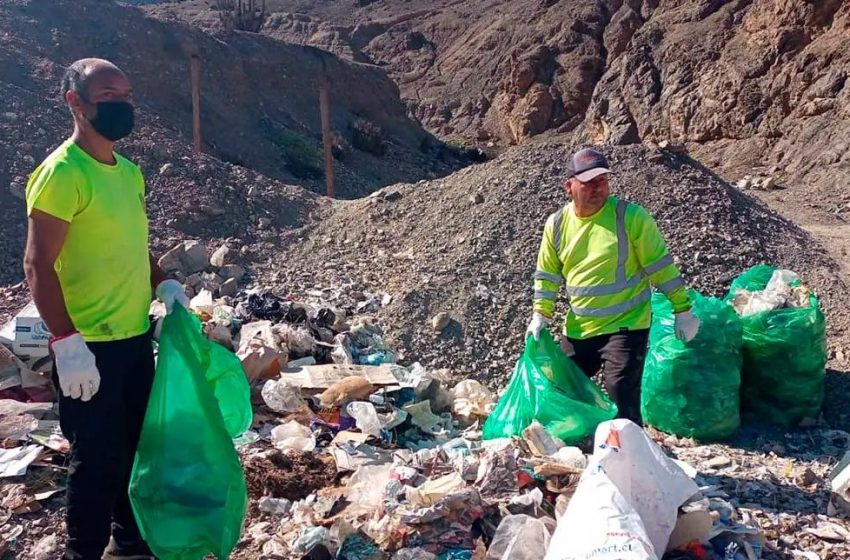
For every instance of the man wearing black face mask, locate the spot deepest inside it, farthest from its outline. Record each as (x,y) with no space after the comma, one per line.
(92,277)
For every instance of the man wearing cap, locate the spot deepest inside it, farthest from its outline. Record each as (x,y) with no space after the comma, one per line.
(608,253)
(92,278)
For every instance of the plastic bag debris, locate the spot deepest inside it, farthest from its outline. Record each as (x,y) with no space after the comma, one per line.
(676,396)
(276,506)
(268,306)
(366,417)
(650,481)
(203,303)
(292,436)
(839,484)
(366,486)
(782,290)
(282,397)
(472,400)
(298,340)
(601,524)
(570,457)
(310,537)
(519,537)
(422,417)
(547,386)
(784,350)
(432,491)
(14,462)
(413,554)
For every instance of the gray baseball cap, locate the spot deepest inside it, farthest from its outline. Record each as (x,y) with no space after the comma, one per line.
(589,164)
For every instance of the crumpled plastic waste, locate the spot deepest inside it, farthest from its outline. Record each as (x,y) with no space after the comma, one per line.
(282,397)
(358,545)
(435,490)
(310,537)
(363,344)
(366,417)
(293,436)
(203,304)
(782,290)
(839,484)
(519,537)
(413,554)
(570,457)
(497,474)
(422,417)
(472,400)
(270,307)
(366,486)
(298,340)
(278,506)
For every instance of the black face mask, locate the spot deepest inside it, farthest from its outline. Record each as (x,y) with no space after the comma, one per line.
(114,119)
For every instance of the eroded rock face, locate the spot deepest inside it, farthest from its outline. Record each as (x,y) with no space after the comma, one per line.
(743,83)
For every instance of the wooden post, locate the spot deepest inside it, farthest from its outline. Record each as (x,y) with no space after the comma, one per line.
(327,141)
(196,103)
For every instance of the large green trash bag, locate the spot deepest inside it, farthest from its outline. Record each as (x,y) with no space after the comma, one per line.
(782,378)
(548,387)
(692,390)
(187,486)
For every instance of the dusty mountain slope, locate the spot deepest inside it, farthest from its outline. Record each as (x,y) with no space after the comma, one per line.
(260,111)
(466,244)
(260,97)
(744,83)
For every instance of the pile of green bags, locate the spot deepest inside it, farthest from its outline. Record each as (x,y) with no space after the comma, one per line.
(784,356)
(187,487)
(692,390)
(548,387)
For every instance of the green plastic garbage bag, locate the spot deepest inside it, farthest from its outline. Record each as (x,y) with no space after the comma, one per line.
(548,387)
(782,378)
(187,486)
(692,390)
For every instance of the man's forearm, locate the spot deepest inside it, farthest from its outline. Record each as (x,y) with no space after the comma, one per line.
(48,298)
(157,274)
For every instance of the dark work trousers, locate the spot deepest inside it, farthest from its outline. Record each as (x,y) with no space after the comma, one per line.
(621,356)
(104,433)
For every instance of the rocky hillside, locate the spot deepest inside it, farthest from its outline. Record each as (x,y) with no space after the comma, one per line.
(745,84)
(259,96)
(260,116)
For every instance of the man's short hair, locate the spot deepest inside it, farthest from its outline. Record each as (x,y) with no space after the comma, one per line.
(75,79)
(77,75)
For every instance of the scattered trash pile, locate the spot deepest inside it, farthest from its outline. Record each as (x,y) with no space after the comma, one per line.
(357,461)
(415,484)
(350,455)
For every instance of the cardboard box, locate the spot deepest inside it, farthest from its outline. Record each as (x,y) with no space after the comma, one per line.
(31,334)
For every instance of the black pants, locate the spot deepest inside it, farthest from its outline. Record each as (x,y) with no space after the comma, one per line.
(104,433)
(621,356)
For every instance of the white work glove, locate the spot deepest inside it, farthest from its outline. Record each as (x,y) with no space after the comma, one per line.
(75,367)
(169,292)
(537,324)
(687,326)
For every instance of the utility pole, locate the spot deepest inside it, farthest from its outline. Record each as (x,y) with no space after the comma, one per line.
(327,140)
(196,103)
